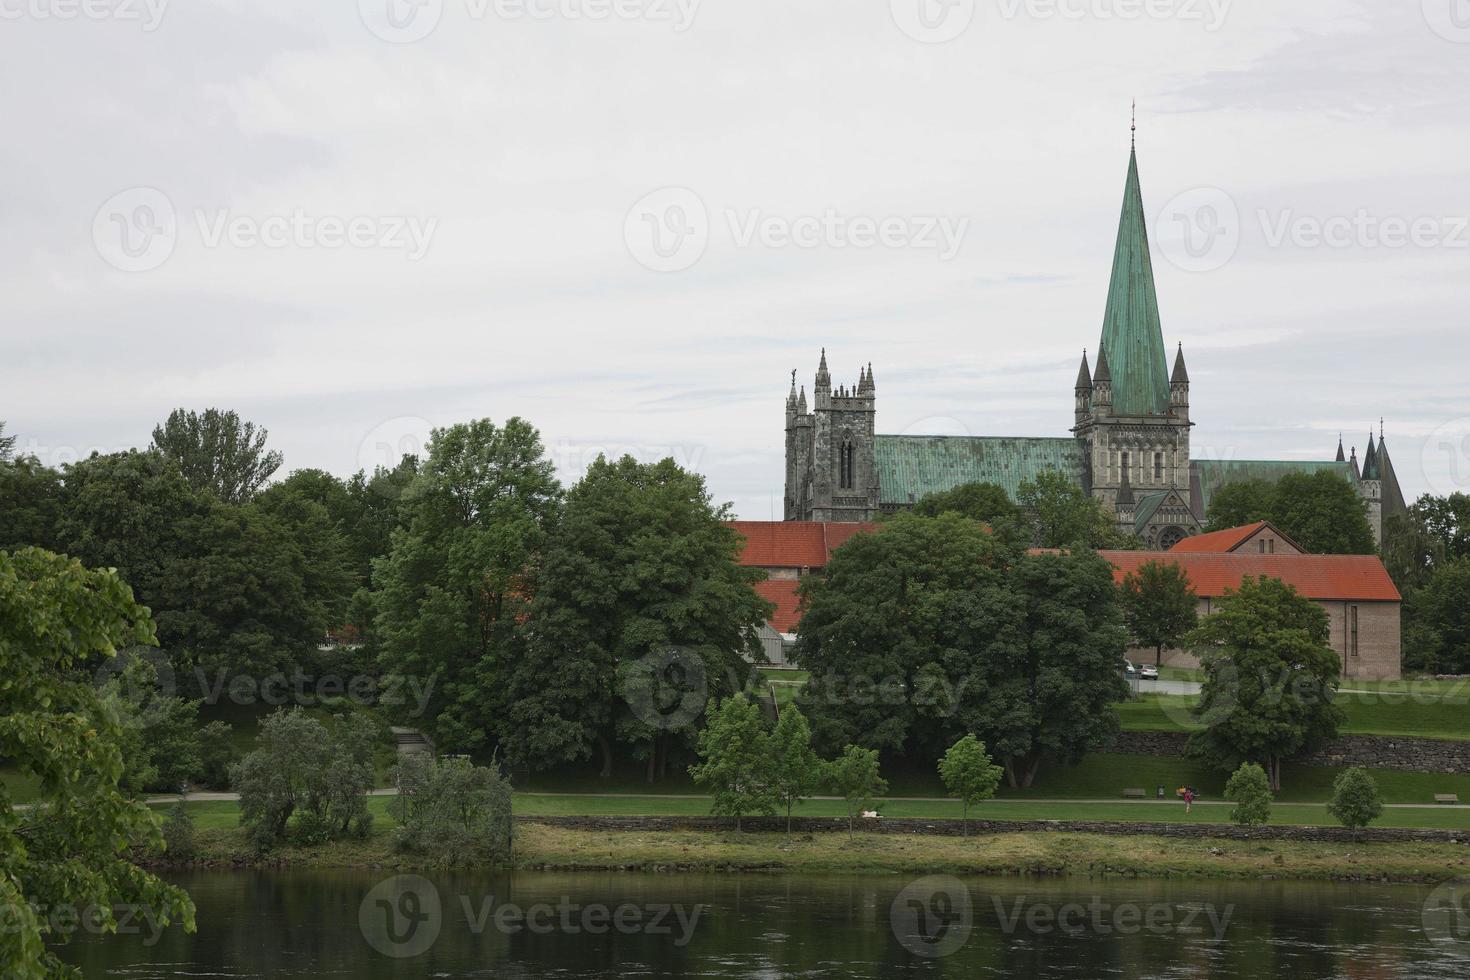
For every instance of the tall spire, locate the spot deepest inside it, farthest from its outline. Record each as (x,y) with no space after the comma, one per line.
(1084,374)
(1132,334)
(1341,458)
(1370,460)
(824,377)
(1103,373)
(872,388)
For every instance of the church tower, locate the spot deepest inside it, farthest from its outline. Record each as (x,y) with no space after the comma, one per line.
(831,464)
(1133,420)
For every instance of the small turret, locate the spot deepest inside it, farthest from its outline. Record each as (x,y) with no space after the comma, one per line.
(1102,384)
(1083,391)
(1179,386)
(872,388)
(1340,457)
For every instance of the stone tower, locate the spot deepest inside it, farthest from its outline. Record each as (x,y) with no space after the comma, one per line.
(1370,488)
(1132,415)
(831,467)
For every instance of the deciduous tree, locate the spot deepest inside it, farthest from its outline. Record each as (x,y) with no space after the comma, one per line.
(855,776)
(69,849)
(1270,679)
(738,763)
(217,452)
(796,768)
(969,774)
(1250,791)
(1356,801)
(1160,606)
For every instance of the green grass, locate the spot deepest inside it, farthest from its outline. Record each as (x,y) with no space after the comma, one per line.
(1377,713)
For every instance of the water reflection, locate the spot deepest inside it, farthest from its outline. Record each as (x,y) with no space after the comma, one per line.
(360,924)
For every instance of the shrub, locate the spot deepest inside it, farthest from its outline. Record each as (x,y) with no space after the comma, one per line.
(178,833)
(1250,791)
(1356,801)
(452,810)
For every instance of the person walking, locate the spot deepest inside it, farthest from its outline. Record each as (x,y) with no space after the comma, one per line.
(1188,799)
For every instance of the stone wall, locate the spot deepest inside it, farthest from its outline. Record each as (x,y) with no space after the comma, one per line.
(1373,751)
(954,828)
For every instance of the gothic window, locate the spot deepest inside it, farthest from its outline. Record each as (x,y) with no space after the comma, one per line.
(1158,467)
(845,466)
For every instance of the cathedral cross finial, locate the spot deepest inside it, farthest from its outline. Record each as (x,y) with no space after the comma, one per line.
(1134,128)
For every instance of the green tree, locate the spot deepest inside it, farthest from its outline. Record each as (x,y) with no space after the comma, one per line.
(796,769)
(1323,513)
(159,732)
(30,504)
(1241,503)
(451,809)
(969,774)
(178,833)
(1160,606)
(639,598)
(71,847)
(329,575)
(1320,511)
(1355,801)
(7,444)
(1063,515)
(217,453)
(461,571)
(1250,791)
(935,629)
(1270,679)
(1448,520)
(854,776)
(1437,621)
(737,766)
(983,502)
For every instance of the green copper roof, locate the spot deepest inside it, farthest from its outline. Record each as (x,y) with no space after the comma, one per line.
(1132,334)
(1147,507)
(911,467)
(1216,473)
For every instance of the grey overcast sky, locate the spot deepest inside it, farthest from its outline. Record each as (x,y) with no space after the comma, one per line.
(629,220)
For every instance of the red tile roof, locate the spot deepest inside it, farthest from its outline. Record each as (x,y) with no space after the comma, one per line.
(1222,542)
(1360,578)
(781,591)
(1219,542)
(793,544)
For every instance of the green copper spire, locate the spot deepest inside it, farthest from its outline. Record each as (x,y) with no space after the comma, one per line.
(1132,335)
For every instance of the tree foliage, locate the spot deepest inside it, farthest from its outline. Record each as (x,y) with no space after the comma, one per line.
(987,503)
(796,769)
(641,615)
(1250,791)
(217,453)
(1320,511)
(305,769)
(1270,679)
(30,504)
(855,776)
(737,760)
(460,573)
(452,810)
(1356,801)
(1160,606)
(934,629)
(70,848)
(1061,514)
(969,774)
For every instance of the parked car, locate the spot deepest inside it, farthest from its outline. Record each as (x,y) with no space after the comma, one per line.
(1149,672)
(1129,669)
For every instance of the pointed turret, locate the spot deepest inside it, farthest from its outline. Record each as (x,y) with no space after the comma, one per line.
(1103,375)
(1102,385)
(1084,375)
(1181,374)
(1370,461)
(1340,457)
(1353,461)
(1132,334)
(801,402)
(824,377)
(872,387)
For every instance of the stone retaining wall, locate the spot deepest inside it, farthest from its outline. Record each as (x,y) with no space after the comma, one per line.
(953,828)
(1373,751)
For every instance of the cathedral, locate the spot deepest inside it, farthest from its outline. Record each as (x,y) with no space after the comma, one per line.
(1129,446)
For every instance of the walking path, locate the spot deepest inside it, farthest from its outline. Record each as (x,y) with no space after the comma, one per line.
(213,797)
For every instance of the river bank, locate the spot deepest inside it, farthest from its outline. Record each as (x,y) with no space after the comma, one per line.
(546,847)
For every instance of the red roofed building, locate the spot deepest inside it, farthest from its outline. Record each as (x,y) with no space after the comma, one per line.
(787,551)
(1360,599)
(1262,537)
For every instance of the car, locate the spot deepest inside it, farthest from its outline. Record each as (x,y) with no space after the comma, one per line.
(1129,669)
(1149,672)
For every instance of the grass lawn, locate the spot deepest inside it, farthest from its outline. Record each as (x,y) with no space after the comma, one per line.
(1376,713)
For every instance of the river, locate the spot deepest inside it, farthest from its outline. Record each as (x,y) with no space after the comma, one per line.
(375,925)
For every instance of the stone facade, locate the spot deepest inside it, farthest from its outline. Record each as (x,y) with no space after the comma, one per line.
(831,470)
